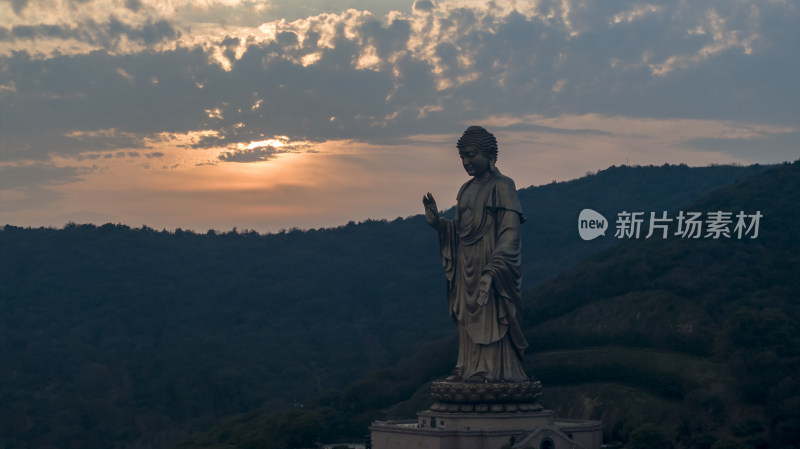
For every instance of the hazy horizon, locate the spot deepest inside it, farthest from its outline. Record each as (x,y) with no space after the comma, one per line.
(236,228)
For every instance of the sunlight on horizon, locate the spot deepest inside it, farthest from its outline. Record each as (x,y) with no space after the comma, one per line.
(336,181)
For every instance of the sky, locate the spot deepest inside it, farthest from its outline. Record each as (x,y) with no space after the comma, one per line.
(268,115)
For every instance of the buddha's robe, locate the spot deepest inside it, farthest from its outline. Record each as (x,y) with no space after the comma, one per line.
(484,237)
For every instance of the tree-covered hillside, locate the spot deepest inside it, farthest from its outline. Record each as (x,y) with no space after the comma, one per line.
(700,336)
(120,337)
(671,342)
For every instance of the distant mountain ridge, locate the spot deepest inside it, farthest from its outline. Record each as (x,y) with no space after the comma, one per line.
(106,326)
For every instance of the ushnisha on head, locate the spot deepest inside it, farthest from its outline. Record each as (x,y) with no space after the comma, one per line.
(478,150)
(484,140)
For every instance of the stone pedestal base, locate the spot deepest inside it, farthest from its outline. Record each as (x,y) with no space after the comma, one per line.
(486,416)
(495,397)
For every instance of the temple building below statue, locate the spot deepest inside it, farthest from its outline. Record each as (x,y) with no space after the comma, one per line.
(486,416)
(539,430)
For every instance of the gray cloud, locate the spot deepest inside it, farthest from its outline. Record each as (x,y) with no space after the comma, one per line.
(261,153)
(783,146)
(12,177)
(106,34)
(550,130)
(423,5)
(149,33)
(133,5)
(481,65)
(251,155)
(18,5)
(32,185)
(55,98)
(29,198)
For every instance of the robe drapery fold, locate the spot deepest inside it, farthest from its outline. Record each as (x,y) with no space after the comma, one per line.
(484,237)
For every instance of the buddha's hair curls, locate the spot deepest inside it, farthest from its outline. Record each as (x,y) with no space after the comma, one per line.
(478,137)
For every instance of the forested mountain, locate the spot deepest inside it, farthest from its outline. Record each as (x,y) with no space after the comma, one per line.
(698,335)
(120,337)
(672,342)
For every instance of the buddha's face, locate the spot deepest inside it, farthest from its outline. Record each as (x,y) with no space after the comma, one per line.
(475,162)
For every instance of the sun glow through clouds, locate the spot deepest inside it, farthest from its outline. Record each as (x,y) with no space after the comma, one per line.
(273,108)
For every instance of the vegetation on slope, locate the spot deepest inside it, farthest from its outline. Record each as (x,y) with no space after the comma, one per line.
(717,321)
(115,337)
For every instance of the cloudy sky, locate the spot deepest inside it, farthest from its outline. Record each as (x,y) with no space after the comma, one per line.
(272,114)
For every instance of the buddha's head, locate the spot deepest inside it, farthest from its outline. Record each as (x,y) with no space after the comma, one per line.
(478,150)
